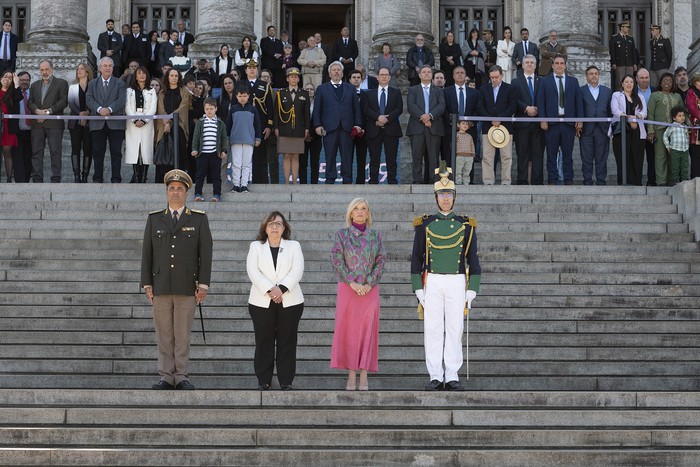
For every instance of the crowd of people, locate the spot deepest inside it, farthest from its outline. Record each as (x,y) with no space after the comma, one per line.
(316,95)
(445,276)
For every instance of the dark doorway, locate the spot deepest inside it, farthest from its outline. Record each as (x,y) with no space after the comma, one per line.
(304,20)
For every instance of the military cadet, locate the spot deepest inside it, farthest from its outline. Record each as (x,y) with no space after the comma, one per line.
(445,276)
(175,273)
(622,54)
(490,44)
(661,55)
(266,153)
(292,118)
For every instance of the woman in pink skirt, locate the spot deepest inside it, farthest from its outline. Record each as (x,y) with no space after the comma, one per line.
(358,259)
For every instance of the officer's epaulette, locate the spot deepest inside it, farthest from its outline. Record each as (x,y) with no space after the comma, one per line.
(157,211)
(418,220)
(471,221)
(198,211)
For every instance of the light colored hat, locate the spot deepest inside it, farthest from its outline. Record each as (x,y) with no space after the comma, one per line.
(498,136)
(293,71)
(178,175)
(252,63)
(444,184)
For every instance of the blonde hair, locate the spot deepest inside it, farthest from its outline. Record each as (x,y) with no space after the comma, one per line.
(88,70)
(351,206)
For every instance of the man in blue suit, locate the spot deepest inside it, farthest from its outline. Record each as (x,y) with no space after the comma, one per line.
(105,96)
(426,105)
(560,97)
(462,100)
(594,141)
(336,113)
(528,135)
(8,47)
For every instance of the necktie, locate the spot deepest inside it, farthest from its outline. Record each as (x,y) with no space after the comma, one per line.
(561,91)
(26,107)
(174,217)
(525,47)
(346,42)
(294,94)
(7,46)
(252,84)
(532,90)
(105,85)
(426,98)
(382,102)
(461,101)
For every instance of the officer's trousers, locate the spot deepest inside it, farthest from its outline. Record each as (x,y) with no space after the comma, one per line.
(445,298)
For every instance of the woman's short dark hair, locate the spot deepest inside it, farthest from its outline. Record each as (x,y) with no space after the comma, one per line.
(673,81)
(262,233)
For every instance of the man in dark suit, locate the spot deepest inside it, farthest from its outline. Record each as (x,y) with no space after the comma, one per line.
(135,47)
(8,47)
(460,100)
(336,113)
(265,155)
(367,82)
(560,96)
(382,108)
(594,141)
(47,96)
(523,48)
(105,96)
(109,43)
(345,51)
(426,106)
(183,37)
(167,50)
(529,138)
(175,275)
(271,52)
(359,141)
(498,100)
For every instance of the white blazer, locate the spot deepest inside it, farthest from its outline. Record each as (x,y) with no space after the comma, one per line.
(139,138)
(264,276)
(618,106)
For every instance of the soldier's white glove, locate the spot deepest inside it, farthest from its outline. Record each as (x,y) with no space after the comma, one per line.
(471,295)
(420,295)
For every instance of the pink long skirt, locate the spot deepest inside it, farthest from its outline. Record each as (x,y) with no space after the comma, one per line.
(356,336)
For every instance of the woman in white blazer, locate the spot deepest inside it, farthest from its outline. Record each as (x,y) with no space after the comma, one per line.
(275,265)
(504,54)
(629,102)
(141,99)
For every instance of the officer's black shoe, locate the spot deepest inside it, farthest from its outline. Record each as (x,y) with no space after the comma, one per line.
(162,385)
(184,385)
(263,387)
(286,387)
(434,385)
(454,386)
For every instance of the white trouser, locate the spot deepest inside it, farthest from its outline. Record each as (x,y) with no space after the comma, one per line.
(445,298)
(241,163)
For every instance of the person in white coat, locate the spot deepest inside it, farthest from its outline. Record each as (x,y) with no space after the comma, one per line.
(504,54)
(275,266)
(141,100)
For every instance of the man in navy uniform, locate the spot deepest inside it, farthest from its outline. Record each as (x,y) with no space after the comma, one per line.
(445,276)
(175,274)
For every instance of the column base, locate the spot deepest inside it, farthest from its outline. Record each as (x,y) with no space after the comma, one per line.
(65,57)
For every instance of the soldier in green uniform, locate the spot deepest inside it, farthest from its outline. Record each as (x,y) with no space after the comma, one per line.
(445,276)
(623,54)
(175,273)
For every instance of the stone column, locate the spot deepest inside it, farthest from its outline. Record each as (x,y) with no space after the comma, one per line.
(398,23)
(577,26)
(221,22)
(57,31)
(693,63)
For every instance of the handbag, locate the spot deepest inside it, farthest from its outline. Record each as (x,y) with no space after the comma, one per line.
(164,151)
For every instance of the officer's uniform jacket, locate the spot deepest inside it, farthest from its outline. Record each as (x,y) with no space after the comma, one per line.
(176,258)
(622,50)
(292,117)
(661,53)
(445,244)
(261,98)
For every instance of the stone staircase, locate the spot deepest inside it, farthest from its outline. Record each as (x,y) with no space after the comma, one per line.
(583,340)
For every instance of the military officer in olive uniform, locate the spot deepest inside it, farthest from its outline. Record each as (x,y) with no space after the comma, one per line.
(175,274)
(661,55)
(445,276)
(622,54)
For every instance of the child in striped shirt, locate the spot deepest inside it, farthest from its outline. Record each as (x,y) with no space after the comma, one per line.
(209,146)
(677,142)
